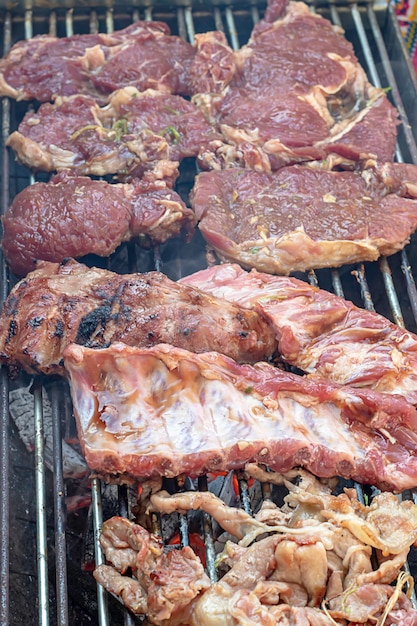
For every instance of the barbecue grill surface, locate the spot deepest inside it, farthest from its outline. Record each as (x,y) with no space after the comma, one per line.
(42,547)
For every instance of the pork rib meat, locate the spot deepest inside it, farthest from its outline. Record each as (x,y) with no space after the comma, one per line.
(58,304)
(165,411)
(301,218)
(321,333)
(72,216)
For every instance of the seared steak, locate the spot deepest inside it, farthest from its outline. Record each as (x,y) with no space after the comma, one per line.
(301,218)
(59,304)
(164,411)
(72,216)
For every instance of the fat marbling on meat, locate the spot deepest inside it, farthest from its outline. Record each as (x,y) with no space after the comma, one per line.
(164,411)
(302,217)
(134,131)
(321,333)
(144,55)
(58,304)
(299,95)
(71,216)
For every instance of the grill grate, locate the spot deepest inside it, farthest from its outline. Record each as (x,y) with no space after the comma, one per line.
(387,286)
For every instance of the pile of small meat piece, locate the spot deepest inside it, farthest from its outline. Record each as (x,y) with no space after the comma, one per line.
(313,567)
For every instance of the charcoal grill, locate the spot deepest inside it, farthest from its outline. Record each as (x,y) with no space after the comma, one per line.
(32,501)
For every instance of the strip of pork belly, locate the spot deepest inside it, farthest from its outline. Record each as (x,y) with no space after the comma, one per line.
(58,304)
(71,216)
(165,411)
(135,131)
(321,333)
(301,217)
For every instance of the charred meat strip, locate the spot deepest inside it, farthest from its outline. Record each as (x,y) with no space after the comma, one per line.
(143,55)
(58,304)
(166,411)
(290,103)
(321,333)
(301,218)
(134,131)
(72,216)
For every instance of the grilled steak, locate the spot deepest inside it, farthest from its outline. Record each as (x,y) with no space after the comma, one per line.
(144,55)
(300,218)
(321,333)
(290,103)
(165,411)
(59,304)
(72,216)
(134,131)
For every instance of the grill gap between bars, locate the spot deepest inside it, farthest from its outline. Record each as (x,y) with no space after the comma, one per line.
(225,19)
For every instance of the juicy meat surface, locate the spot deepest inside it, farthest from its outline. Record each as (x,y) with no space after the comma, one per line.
(144,55)
(166,411)
(301,218)
(321,333)
(135,130)
(59,304)
(292,103)
(72,216)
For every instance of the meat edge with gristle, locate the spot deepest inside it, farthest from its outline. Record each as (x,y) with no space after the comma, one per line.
(164,411)
(59,304)
(130,134)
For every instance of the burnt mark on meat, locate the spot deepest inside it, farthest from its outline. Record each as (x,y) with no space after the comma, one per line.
(243,334)
(89,324)
(59,329)
(11,331)
(35,322)
(186,332)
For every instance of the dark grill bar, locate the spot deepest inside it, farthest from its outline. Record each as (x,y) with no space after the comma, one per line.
(387,286)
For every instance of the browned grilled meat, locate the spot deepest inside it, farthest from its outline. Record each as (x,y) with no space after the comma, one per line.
(58,304)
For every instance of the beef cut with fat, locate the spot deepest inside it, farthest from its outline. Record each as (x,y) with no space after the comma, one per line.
(290,103)
(320,333)
(132,133)
(144,55)
(72,216)
(59,304)
(301,217)
(164,411)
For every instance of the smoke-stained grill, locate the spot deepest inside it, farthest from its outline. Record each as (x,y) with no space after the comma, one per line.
(387,286)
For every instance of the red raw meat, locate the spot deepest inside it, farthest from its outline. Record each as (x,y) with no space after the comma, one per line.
(72,216)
